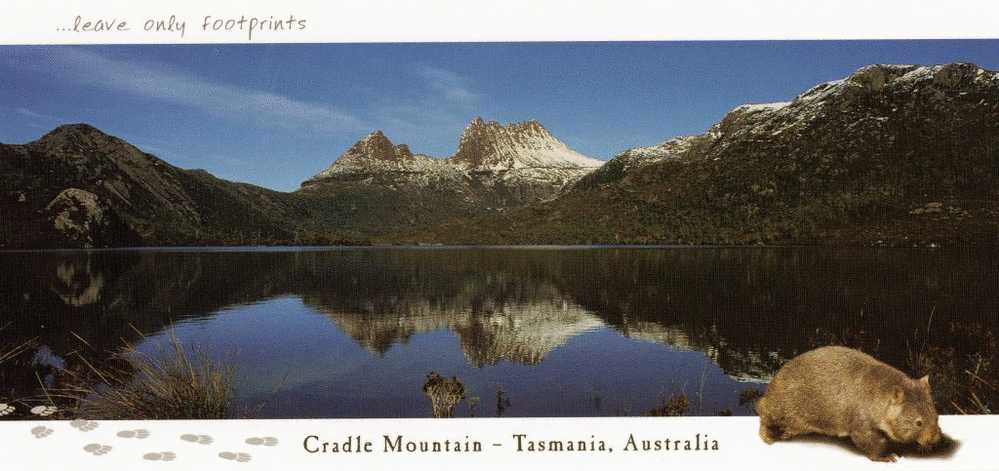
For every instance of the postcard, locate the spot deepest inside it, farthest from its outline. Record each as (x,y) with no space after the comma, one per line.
(446,235)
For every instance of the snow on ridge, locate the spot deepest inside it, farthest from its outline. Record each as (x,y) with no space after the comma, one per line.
(488,146)
(919,73)
(755,107)
(541,153)
(672,146)
(774,119)
(897,73)
(669,149)
(516,151)
(820,92)
(891,67)
(496,147)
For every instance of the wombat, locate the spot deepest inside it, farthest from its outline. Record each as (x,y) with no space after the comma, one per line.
(843,392)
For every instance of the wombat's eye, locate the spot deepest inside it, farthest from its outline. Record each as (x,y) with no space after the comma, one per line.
(919,422)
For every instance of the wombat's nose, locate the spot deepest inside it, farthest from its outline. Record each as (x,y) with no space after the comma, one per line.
(928,440)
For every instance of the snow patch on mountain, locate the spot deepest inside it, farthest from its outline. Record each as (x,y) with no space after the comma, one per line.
(489,145)
(772,120)
(488,152)
(641,156)
(754,107)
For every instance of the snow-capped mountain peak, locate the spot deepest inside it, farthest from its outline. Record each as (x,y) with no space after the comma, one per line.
(377,146)
(374,151)
(496,166)
(489,145)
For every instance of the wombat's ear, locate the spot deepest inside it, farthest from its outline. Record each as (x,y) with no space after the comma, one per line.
(925,381)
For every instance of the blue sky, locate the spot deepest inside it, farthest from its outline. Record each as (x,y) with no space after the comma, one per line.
(274,115)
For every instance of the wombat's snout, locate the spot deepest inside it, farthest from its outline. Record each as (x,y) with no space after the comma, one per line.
(929,437)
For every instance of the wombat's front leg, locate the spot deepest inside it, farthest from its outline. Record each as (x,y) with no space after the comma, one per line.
(769,430)
(873,443)
(768,433)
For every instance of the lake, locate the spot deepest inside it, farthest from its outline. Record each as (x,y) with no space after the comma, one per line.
(533,331)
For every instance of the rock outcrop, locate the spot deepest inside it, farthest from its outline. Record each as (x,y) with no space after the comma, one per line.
(78,215)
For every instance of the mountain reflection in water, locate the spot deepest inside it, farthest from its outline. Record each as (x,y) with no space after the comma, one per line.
(562,331)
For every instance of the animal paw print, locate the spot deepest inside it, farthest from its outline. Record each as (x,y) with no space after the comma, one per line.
(262,441)
(234,456)
(41,431)
(140,434)
(83,425)
(44,411)
(199,439)
(160,456)
(97,449)
(6,409)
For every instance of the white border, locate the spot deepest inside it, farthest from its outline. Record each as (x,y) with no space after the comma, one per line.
(39,21)
(738,445)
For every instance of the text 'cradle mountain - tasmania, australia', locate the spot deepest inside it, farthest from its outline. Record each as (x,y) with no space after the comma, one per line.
(896,155)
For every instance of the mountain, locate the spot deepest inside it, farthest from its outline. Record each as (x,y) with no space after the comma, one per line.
(79,187)
(895,155)
(376,157)
(488,145)
(377,187)
(519,163)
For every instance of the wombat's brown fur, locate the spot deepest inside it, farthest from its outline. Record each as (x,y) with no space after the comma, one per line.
(846,393)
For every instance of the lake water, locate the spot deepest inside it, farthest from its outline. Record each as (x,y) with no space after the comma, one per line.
(353,332)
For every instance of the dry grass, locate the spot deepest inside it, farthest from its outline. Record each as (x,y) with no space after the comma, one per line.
(16,350)
(961,366)
(12,352)
(444,394)
(674,406)
(977,389)
(8,354)
(502,401)
(170,385)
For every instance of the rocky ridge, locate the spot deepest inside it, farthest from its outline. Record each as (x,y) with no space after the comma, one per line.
(847,161)
(896,155)
(377,187)
(489,155)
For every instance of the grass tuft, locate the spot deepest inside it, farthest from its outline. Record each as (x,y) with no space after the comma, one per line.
(11,352)
(171,385)
(444,394)
(674,406)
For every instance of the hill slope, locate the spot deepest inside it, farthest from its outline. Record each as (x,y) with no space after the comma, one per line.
(891,155)
(79,187)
